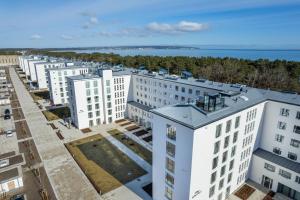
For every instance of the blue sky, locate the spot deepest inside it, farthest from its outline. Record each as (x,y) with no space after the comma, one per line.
(80,23)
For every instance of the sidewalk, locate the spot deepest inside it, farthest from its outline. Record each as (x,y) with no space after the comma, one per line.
(66,178)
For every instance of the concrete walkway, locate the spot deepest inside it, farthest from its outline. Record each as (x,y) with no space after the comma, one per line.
(66,178)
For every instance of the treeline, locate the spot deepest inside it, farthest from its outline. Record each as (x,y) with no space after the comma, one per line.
(262,73)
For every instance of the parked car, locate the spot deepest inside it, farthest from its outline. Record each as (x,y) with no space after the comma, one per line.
(7,112)
(9,133)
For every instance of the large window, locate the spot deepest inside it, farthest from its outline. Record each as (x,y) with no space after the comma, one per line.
(168,193)
(169,179)
(285,174)
(170,165)
(213,177)
(216,147)
(215,163)
(221,184)
(269,167)
(298,115)
(211,191)
(279,138)
(171,149)
(224,158)
(226,142)
(295,143)
(223,169)
(218,130)
(171,132)
(297,129)
(284,112)
(237,122)
(282,125)
(292,156)
(277,150)
(235,136)
(228,126)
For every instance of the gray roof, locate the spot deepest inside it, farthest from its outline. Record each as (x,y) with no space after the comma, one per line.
(9,174)
(68,68)
(138,105)
(284,162)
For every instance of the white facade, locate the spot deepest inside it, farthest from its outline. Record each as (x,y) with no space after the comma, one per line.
(32,72)
(42,74)
(97,99)
(57,80)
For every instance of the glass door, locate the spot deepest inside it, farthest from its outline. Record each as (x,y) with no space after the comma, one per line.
(267,182)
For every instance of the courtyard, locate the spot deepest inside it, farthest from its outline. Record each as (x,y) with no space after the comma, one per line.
(106,166)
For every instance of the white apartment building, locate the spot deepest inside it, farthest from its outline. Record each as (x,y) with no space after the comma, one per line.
(42,74)
(24,63)
(208,155)
(208,137)
(57,81)
(98,99)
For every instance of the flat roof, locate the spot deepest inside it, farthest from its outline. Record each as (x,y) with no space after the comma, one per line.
(279,160)
(138,105)
(9,174)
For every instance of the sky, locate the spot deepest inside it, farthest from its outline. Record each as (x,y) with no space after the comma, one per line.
(86,23)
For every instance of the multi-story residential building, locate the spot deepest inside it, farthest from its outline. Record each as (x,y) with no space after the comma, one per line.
(57,81)
(32,71)
(208,137)
(42,74)
(254,134)
(98,99)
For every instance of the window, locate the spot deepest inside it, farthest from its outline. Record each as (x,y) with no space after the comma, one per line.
(168,193)
(279,138)
(90,114)
(292,156)
(270,167)
(235,136)
(95,83)
(91,123)
(215,163)
(169,179)
(170,165)
(297,129)
(226,142)
(89,107)
(213,177)
(96,98)
(221,184)
(231,164)
(229,178)
(217,147)
(297,179)
(171,149)
(282,125)
(211,191)
(220,196)
(295,143)
(87,84)
(88,92)
(224,158)
(298,115)
(223,169)
(237,121)
(190,91)
(107,82)
(171,132)
(284,112)
(97,105)
(228,126)
(176,88)
(97,113)
(285,174)
(233,149)
(218,130)
(88,100)
(277,150)
(183,89)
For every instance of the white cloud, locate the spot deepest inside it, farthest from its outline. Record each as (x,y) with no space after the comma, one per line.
(66,37)
(35,37)
(180,27)
(93,20)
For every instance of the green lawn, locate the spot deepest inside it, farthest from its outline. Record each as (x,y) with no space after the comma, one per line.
(105,165)
(131,144)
